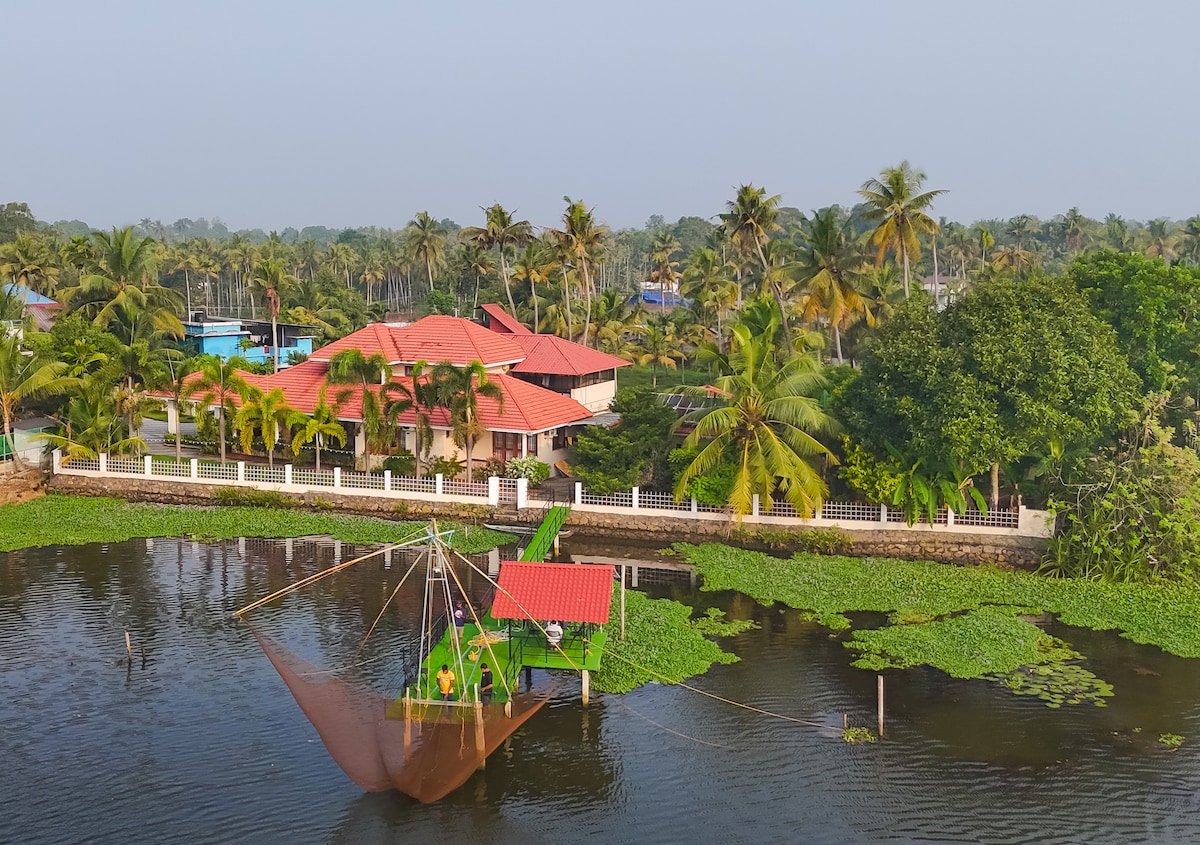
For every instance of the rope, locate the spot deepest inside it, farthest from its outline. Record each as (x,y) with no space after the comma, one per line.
(730,701)
(668,730)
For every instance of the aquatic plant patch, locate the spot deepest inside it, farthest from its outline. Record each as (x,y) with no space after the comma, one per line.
(74,520)
(962,620)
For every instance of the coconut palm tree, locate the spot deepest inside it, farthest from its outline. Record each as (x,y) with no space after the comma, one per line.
(829,263)
(897,202)
(458,390)
(583,239)
(427,241)
(986,241)
(500,231)
(264,412)
(749,220)
(120,273)
(708,279)
(656,345)
(663,271)
(91,425)
(1073,229)
(30,261)
(270,280)
(1189,240)
(534,266)
(1161,241)
(219,381)
(1020,229)
(24,378)
(316,427)
(766,426)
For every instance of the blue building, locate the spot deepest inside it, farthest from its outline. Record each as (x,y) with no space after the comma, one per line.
(251,339)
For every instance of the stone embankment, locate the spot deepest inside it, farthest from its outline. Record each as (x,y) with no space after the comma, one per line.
(17,486)
(654,531)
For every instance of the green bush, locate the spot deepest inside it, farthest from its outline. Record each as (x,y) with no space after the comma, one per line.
(448,468)
(401,462)
(529,468)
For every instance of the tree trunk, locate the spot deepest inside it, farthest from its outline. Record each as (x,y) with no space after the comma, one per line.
(936,281)
(221,427)
(837,342)
(429,272)
(567,298)
(778,292)
(178,432)
(904,254)
(587,290)
(533,296)
(469,446)
(512,306)
(317,440)
(275,338)
(995,502)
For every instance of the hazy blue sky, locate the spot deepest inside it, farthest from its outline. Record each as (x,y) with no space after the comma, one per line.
(347,113)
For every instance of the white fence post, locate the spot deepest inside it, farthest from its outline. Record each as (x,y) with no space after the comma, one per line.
(754,505)
(241,476)
(522,492)
(56,457)
(883,513)
(949,515)
(387,481)
(146,464)
(287,473)
(103,462)
(494,490)
(579,492)
(439,483)
(195,473)
(695,505)
(636,496)
(337,477)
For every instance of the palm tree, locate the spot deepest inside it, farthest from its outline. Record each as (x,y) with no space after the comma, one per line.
(657,345)
(143,350)
(830,262)
(749,220)
(765,427)
(1189,240)
(350,366)
(92,425)
(179,386)
(342,258)
(24,378)
(121,274)
(30,262)
(1073,228)
(270,278)
(708,279)
(663,271)
(499,232)
(896,201)
(986,241)
(183,259)
(322,423)
(458,389)
(219,381)
(427,240)
(1116,233)
(583,238)
(1161,242)
(265,412)
(533,266)
(1019,228)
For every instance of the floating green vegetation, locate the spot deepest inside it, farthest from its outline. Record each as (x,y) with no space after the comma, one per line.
(966,621)
(857,736)
(75,520)
(662,643)
(714,624)
(1172,741)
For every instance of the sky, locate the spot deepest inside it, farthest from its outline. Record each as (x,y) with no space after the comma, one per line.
(361,113)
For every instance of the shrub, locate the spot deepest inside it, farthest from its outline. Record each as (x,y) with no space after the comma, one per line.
(529,468)
(401,462)
(448,468)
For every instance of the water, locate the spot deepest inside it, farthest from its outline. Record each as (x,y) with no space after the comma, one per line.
(202,743)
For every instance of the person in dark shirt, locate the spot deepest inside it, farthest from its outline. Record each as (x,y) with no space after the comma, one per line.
(460,615)
(485,684)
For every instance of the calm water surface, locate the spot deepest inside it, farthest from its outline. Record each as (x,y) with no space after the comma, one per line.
(199,741)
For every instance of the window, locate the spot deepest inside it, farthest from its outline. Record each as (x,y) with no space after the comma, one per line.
(506,446)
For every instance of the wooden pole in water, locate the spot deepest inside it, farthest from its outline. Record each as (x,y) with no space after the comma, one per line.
(586,686)
(128,647)
(479,730)
(622,602)
(407,718)
(880,677)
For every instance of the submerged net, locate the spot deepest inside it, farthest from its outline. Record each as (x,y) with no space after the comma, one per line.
(426,756)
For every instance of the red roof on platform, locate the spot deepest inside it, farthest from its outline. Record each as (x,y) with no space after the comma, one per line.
(556,356)
(566,592)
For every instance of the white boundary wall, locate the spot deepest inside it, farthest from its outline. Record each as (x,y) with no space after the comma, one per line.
(851,516)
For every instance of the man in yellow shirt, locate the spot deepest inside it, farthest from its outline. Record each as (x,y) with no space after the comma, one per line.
(445,682)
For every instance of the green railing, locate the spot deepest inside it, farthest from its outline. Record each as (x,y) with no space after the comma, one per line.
(543,540)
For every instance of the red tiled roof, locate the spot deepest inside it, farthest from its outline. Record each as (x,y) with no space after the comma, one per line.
(434,339)
(527,408)
(504,323)
(556,356)
(567,592)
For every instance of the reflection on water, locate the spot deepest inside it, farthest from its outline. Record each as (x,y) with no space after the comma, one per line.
(197,739)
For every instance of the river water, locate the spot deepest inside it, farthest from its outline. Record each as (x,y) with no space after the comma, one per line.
(197,740)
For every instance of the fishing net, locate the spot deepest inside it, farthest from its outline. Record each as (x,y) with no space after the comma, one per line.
(426,755)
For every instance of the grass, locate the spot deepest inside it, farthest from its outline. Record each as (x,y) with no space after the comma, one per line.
(966,621)
(638,376)
(74,520)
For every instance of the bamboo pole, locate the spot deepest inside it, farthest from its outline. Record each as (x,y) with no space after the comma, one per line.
(622,602)
(128,648)
(479,743)
(586,686)
(407,719)
(880,677)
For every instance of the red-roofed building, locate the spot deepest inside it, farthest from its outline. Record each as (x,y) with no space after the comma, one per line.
(566,592)
(549,385)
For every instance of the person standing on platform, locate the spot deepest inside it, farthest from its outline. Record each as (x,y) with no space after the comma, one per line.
(445,682)
(485,684)
(460,616)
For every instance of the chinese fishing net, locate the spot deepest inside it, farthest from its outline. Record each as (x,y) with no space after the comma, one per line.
(426,755)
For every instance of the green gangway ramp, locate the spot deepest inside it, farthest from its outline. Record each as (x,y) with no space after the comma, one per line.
(543,540)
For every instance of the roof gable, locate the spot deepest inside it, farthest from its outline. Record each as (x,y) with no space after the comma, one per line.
(553,355)
(434,339)
(501,322)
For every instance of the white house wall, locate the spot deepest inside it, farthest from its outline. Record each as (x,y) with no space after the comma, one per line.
(595,397)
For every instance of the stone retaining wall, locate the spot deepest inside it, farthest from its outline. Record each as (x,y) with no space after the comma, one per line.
(656,531)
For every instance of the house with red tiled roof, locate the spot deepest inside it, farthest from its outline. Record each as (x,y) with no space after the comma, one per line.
(550,386)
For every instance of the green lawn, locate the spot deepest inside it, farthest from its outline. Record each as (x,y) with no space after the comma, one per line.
(637,375)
